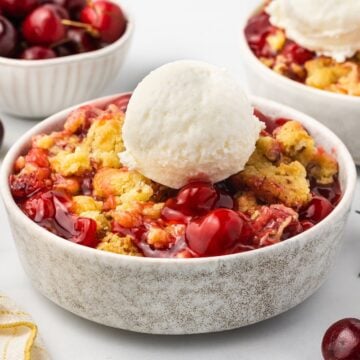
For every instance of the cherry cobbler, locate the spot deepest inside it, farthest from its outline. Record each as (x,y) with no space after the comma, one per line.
(273,48)
(72,183)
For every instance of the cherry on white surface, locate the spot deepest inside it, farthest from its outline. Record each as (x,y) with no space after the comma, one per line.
(165,31)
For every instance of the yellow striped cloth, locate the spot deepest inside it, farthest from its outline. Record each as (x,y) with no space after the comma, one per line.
(19,338)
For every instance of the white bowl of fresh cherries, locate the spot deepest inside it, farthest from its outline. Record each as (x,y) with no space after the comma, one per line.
(55,53)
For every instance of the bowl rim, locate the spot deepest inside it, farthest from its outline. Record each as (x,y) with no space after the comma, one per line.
(130,26)
(275,77)
(347,165)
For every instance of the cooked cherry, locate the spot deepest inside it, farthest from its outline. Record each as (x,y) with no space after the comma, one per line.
(215,233)
(270,123)
(195,199)
(106,17)
(40,207)
(331,192)
(305,224)
(18,8)
(342,340)
(81,40)
(43,26)
(122,102)
(85,229)
(8,37)
(38,157)
(50,210)
(25,185)
(256,31)
(38,53)
(317,209)
(297,54)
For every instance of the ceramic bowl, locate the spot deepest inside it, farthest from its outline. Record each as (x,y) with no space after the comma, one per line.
(181,296)
(39,88)
(341,113)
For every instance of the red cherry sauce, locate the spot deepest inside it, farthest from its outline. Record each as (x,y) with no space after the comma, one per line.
(50,210)
(270,123)
(294,53)
(325,198)
(256,32)
(215,233)
(195,199)
(138,234)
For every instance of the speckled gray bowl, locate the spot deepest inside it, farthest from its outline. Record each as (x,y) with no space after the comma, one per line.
(181,296)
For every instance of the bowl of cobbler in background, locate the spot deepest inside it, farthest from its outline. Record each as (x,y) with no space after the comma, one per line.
(109,245)
(54,54)
(277,67)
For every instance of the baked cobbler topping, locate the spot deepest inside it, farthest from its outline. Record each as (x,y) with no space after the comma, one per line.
(72,183)
(273,48)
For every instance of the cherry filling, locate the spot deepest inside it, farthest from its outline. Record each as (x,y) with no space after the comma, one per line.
(50,210)
(215,233)
(294,53)
(318,208)
(270,124)
(256,31)
(195,199)
(206,214)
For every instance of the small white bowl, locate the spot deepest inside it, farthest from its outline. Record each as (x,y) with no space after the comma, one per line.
(181,296)
(341,113)
(39,88)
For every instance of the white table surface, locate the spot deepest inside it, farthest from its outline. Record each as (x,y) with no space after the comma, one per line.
(169,30)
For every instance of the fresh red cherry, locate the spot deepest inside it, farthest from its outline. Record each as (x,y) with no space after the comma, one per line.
(81,40)
(2,131)
(43,26)
(18,8)
(38,53)
(73,6)
(316,210)
(195,199)
(8,37)
(297,54)
(65,49)
(60,10)
(106,17)
(342,340)
(214,234)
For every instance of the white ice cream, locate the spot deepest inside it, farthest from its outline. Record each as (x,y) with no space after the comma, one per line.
(188,120)
(328,27)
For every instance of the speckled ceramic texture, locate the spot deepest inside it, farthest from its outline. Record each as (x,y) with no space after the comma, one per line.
(38,88)
(181,296)
(341,113)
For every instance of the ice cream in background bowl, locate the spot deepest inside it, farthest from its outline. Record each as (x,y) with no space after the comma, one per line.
(327,27)
(189,120)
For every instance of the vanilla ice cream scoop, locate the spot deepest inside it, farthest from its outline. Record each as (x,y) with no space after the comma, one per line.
(188,120)
(328,27)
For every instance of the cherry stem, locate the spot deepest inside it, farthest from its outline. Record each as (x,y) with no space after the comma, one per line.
(88,28)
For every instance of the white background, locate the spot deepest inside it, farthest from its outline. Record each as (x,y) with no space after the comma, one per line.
(168,30)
